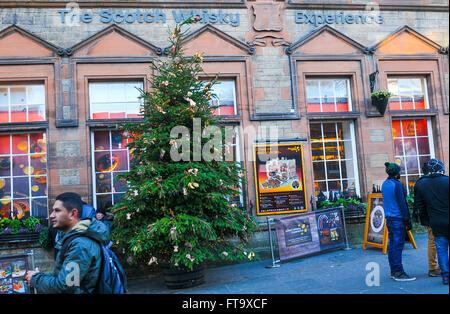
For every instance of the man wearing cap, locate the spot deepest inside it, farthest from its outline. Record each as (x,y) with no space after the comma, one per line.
(431,200)
(398,220)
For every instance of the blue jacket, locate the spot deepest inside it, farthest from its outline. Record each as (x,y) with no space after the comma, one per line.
(394,200)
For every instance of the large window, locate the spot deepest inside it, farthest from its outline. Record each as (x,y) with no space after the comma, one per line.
(328,95)
(413,146)
(23,175)
(111,157)
(22,103)
(409,93)
(114,100)
(225,103)
(334,158)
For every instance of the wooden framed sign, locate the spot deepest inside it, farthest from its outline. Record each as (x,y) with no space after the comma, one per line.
(279,178)
(375,231)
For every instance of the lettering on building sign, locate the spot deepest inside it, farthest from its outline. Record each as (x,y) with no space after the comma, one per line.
(317,19)
(154,16)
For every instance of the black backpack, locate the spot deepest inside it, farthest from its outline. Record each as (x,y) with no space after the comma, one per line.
(112,278)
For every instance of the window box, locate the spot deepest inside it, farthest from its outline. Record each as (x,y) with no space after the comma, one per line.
(19,237)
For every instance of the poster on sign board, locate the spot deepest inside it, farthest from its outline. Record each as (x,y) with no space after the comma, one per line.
(13,269)
(279,178)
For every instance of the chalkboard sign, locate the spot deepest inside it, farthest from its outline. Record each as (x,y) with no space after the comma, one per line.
(13,269)
(309,233)
(375,231)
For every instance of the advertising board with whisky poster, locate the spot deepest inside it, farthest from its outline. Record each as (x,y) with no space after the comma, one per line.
(279,178)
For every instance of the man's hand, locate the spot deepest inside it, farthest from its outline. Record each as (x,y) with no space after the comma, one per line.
(30,274)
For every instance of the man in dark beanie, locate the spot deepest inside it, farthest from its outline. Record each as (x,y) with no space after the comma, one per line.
(431,200)
(433,267)
(398,220)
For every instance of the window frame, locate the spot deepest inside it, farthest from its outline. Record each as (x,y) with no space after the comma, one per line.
(426,90)
(430,143)
(26,84)
(234,80)
(29,177)
(354,157)
(333,78)
(93,168)
(114,80)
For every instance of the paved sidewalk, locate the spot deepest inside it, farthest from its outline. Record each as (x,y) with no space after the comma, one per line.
(336,272)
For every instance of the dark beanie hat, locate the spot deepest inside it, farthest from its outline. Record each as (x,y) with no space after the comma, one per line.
(435,166)
(392,169)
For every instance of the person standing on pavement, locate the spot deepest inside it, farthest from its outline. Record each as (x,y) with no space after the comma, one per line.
(432,201)
(398,220)
(77,268)
(433,267)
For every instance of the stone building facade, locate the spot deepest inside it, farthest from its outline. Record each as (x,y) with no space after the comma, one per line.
(305,68)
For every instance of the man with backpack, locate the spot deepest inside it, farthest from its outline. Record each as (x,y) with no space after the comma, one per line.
(84,264)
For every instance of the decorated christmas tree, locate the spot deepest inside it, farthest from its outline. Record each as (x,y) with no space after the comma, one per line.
(178,209)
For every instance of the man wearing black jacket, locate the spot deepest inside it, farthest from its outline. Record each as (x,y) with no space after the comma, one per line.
(433,267)
(431,200)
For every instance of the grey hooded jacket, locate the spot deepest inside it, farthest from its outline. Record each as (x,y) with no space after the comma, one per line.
(79,269)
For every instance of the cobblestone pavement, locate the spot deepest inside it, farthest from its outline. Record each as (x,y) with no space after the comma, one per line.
(336,272)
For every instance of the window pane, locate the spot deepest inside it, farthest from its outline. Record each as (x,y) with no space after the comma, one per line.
(317,151)
(333,170)
(36,94)
(315,132)
(5,144)
(18,95)
(396,128)
(120,157)
(20,165)
(5,166)
(39,207)
(21,187)
(19,113)
(21,209)
(410,146)
(424,145)
(103,182)
(329,131)
(319,170)
(4,96)
(421,127)
(408,128)
(412,166)
(101,139)
(331,150)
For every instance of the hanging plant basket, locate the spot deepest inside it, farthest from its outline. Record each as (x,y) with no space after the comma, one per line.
(182,278)
(380,102)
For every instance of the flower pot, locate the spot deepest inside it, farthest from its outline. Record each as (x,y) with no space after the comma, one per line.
(380,103)
(182,278)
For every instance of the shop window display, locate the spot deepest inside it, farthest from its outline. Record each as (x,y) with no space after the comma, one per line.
(408,93)
(328,95)
(111,157)
(22,103)
(413,146)
(114,100)
(334,159)
(23,176)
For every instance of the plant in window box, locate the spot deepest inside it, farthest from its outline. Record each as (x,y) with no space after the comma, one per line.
(29,229)
(176,213)
(380,100)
